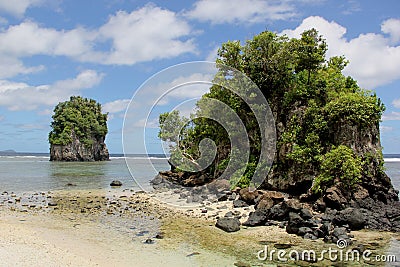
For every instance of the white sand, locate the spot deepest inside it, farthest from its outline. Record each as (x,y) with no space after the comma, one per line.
(46,240)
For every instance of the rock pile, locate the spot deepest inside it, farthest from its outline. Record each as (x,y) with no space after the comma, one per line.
(309,221)
(330,216)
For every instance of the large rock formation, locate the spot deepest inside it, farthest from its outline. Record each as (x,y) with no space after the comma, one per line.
(327,128)
(77,151)
(328,169)
(78,131)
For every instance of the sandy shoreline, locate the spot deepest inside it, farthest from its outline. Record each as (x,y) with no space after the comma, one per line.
(63,235)
(31,240)
(124,228)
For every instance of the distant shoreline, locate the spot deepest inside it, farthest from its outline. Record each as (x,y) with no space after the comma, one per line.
(121,155)
(14,153)
(116,155)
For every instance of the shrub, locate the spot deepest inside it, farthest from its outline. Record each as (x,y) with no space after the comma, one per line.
(339,163)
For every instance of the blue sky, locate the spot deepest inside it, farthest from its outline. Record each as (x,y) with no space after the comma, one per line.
(52,49)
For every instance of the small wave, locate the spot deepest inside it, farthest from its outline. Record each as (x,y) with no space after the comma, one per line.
(392,159)
(25,157)
(139,158)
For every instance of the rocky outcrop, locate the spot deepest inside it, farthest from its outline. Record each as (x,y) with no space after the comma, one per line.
(305,218)
(169,179)
(77,151)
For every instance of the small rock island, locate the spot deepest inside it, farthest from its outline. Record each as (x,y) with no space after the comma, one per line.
(328,174)
(78,131)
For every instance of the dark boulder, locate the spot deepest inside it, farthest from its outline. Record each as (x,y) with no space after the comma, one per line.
(116,183)
(279,212)
(335,199)
(341,237)
(304,230)
(325,229)
(306,214)
(228,224)
(256,218)
(294,224)
(352,217)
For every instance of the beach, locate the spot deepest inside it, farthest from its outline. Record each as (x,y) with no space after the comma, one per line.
(63,236)
(121,227)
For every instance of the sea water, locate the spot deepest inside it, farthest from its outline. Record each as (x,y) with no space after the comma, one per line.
(36,173)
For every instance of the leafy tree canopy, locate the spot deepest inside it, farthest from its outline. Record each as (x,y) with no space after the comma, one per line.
(80,115)
(310,99)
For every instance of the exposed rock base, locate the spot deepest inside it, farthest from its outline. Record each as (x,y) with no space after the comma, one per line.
(77,151)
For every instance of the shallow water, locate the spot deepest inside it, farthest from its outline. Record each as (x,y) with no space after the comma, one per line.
(37,173)
(29,173)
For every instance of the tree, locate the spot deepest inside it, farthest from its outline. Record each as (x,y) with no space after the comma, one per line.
(81,117)
(310,52)
(312,103)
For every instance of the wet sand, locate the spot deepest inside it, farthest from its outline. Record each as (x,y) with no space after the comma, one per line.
(124,228)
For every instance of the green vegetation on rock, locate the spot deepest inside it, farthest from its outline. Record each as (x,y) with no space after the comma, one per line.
(339,163)
(327,126)
(81,116)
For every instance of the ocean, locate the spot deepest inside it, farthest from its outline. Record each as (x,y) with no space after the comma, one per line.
(34,172)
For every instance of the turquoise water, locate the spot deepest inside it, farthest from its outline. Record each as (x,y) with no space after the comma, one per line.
(37,173)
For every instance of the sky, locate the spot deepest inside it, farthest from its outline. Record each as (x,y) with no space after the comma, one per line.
(107,50)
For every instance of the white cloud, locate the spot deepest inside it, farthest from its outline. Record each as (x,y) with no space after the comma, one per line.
(149,123)
(373,60)
(392,27)
(116,106)
(241,11)
(21,96)
(18,7)
(181,88)
(392,116)
(145,34)
(11,66)
(32,126)
(29,38)
(45,112)
(1,118)
(350,7)
(213,54)
(396,103)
